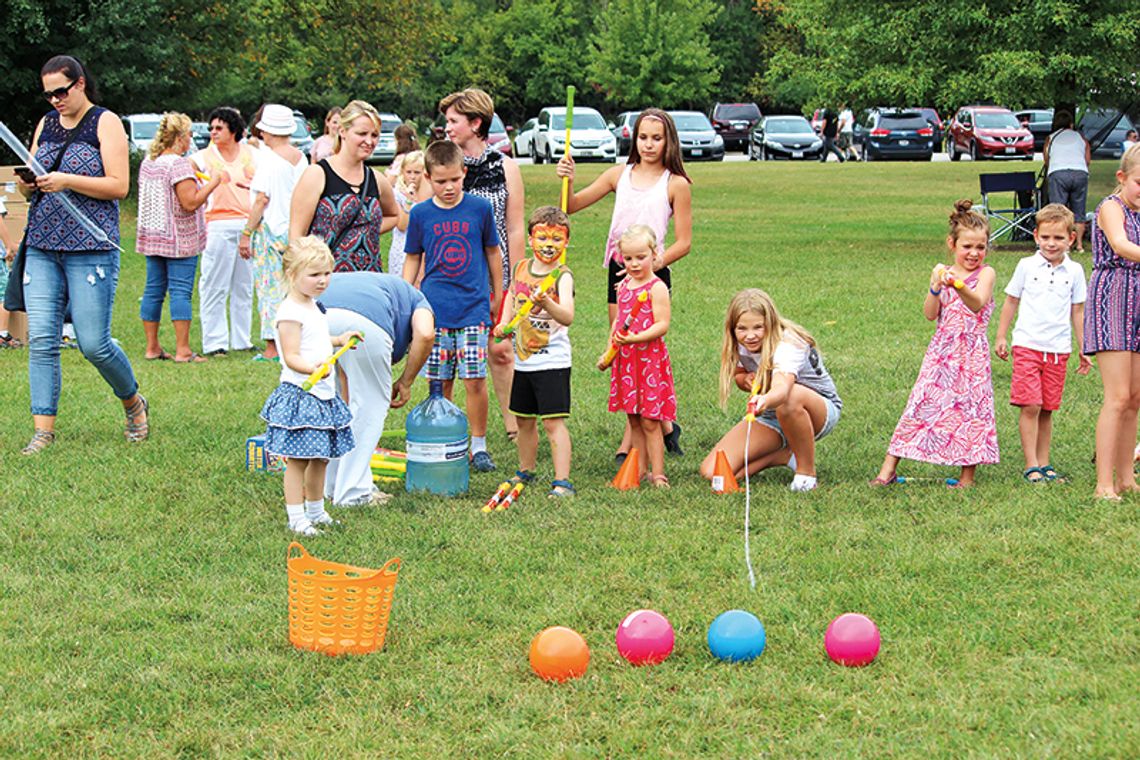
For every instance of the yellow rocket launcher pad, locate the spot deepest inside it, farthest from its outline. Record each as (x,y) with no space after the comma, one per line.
(528,306)
(503,490)
(327,365)
(511,497)
(611,352)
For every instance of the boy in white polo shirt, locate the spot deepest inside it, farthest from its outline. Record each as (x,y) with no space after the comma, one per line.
(1049,288)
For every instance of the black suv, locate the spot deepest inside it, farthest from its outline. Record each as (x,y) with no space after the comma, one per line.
(733,122)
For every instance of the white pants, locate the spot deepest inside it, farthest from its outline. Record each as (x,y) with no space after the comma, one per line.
(368,369)
(225,273)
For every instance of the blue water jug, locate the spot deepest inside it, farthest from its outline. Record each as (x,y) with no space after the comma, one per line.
(437,446)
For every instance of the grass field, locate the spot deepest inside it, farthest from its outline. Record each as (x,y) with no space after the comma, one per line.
(144,595)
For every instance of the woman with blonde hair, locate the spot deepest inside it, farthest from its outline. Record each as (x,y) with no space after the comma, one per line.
(341,200)
(171,233)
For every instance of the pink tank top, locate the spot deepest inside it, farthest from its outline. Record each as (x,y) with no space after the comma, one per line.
(632,206)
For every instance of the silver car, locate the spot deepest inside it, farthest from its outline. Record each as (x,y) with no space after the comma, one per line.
(385,150)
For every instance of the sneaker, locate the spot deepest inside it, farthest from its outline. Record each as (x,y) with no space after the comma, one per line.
(67,342)
(802,483)
(673,440)
(481,462)
(304,527)
(324,518)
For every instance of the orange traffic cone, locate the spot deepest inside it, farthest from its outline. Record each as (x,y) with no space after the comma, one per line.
(629,476)
(723,480)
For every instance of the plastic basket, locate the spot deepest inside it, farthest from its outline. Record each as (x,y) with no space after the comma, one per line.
(335,608)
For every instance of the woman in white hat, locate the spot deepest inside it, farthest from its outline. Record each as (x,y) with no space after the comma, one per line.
(279,167)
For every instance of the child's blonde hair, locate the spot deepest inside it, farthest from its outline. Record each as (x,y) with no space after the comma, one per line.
(1128,162)
(415,158)
(638,233)
(171,127)
(302,253)
(1056,213)
(760,303)
(964,217)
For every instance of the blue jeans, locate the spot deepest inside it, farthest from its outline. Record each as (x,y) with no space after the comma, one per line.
(87,281)
(175,275)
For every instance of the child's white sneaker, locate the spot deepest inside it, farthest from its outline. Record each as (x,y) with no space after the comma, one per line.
(803,483)
(304,527)
(324,518)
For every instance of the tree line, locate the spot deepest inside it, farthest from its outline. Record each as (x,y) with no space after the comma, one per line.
(786,55)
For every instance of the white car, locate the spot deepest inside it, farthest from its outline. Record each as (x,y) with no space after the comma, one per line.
(590,138)
(141,129)
(385,150)
(524,140)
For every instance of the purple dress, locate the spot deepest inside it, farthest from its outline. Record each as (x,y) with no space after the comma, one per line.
(1112,313)
(949,418)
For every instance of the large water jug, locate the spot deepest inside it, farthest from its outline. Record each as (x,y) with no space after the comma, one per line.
(437,446)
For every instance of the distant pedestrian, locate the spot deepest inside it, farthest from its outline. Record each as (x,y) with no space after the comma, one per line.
(406,142)
(847,132)
(1130,139)
(829,130)
(323,145)
(1067,155)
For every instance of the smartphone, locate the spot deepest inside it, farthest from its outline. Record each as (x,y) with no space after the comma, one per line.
(26,174)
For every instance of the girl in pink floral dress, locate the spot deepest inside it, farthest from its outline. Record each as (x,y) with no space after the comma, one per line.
(949,418)
(641,384)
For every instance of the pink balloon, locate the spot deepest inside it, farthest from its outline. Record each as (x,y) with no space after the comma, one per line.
(852,640)
(645,637)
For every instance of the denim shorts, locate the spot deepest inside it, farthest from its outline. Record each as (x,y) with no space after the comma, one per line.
(768,419)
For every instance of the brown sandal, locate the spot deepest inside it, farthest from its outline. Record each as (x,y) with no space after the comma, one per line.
(41,439)
(659,481)
(138,431)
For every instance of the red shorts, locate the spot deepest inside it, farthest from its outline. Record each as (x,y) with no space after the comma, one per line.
(1038,378)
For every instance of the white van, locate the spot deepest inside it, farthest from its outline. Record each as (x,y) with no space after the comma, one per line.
(590,138)
(141,129)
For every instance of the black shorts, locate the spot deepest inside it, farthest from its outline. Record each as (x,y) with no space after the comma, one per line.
(613,280)
(541,394)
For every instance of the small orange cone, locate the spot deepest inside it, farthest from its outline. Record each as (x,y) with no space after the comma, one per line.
(629,476)
(723,479)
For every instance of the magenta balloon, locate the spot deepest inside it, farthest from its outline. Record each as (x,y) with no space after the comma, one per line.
(852,640)
(645,637)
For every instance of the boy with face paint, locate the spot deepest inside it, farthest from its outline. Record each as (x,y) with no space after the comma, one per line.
(541,387)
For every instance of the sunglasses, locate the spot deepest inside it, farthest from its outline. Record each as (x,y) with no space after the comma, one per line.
(59,93)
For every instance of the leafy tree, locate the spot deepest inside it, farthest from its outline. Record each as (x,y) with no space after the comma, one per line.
(948,52)
(655,52)
(737,32)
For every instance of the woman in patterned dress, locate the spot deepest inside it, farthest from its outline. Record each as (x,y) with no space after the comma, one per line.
(949,418)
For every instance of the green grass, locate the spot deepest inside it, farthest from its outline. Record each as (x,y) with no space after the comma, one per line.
(143,587)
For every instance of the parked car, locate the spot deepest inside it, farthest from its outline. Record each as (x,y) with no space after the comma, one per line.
(699,141)
(385,149)
(986,132)
(885,133)
(302,138)
(200,134)
(1093,122)
(1039,122)
(935,122)
(498,136)
(590,139)
(733,122)
(524,138)
(141,129)
(788,137)
(623,130)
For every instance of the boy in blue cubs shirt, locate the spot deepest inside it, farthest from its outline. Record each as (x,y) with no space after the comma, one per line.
(454,234)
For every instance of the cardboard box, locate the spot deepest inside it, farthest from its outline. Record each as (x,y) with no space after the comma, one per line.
(257,459)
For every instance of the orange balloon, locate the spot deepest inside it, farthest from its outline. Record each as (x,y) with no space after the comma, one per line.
(558,654)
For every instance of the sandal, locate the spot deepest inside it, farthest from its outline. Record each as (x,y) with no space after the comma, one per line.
(135,431)
(1051,475)
(660,481)
(192,359)
(878,482)
(521,476)
(1040,472)
(7,341)
(41,439)
(160,356)
(565,485)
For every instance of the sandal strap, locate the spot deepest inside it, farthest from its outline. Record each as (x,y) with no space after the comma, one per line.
(41,439)
(138,431)
(521,476)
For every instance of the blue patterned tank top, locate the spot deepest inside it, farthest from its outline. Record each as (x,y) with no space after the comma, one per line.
(51,227)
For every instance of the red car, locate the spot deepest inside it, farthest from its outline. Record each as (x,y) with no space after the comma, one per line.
(498,137)
(986,132)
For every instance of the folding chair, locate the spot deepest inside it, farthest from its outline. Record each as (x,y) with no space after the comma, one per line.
(1019,220)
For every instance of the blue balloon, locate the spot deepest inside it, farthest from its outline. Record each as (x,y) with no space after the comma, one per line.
(737,636)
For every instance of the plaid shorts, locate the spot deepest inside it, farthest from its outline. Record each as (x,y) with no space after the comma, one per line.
(462,348)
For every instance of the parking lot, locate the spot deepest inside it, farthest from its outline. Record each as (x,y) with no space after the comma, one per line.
(736,157)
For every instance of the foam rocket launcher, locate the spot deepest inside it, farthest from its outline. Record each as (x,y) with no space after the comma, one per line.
(751,415)
(511,497)
(527,307)
(202,176)
(327,365)
(611,352)
(503,489)
(957,284)
(566,180)
(386,465)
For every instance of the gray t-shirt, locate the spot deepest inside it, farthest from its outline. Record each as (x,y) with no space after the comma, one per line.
(795,357)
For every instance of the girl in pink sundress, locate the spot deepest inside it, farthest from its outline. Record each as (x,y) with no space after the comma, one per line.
(641,383)
(949,418)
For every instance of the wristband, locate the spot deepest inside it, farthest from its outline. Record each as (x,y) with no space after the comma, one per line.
(247,232)
(935,293)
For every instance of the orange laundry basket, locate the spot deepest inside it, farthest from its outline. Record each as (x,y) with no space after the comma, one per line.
(335,608)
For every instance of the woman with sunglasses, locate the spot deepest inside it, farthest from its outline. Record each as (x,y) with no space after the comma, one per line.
(85,149)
